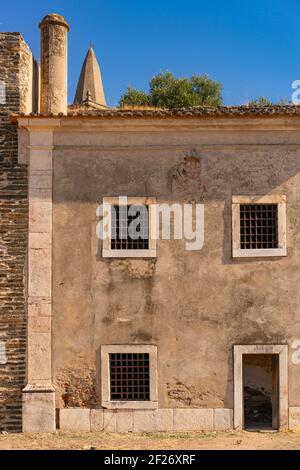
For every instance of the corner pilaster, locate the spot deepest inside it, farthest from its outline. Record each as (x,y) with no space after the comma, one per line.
(38,395)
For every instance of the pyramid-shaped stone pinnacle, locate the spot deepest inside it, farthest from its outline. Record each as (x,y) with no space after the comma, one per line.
(90,82)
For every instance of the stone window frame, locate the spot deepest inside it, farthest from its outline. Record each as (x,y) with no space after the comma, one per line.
(105,376)
(237,252)
(282,351)
(107,252)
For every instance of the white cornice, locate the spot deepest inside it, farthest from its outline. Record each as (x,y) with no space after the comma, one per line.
(41,123)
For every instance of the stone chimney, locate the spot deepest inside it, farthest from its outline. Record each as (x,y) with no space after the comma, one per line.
(54,29)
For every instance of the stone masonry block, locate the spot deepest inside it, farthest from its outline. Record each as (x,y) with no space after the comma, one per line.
(124,420)
(164,419)
(96,418)
(74,419)
(223,419)
(40,179)
(38,412)
(153,420)
(39,345)
(110,421)
(38,307)
(40,216)
(294,417)
(39,275)
(193,419)
(144,421)
(41,159)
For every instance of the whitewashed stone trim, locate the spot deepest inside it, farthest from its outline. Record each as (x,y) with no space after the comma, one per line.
(107,252)
(282,351)
(138,420)
(280,200)
(105,379)
(38,395)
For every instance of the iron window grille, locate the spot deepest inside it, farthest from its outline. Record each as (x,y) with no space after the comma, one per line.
(258,226)
(129,376)
(122,218)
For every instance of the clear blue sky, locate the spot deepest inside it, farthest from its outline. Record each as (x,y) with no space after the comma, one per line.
(251,46)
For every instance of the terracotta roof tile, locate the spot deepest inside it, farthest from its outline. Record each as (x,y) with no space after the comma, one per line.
(195,111)
(201,111)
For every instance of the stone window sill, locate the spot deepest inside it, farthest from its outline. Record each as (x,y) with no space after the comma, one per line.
(130,405)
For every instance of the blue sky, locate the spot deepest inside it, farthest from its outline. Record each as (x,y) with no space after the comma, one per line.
(251,46)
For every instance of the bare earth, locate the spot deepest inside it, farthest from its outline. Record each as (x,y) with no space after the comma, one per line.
(165,441)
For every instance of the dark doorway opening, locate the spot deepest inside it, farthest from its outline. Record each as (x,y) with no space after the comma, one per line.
(261,391)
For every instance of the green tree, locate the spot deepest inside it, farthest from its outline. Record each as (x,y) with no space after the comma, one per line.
(133,97)
(167,91)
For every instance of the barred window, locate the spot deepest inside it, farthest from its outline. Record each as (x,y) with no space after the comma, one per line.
(258,226)
(129,376)
(129,227)
(129,230)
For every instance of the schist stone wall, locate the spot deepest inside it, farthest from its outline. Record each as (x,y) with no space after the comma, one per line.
(17,94)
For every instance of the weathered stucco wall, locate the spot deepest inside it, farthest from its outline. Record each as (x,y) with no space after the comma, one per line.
(193,305)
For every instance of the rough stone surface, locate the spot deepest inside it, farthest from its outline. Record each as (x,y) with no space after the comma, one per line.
(74,419)
(193,420)
(109,421)
(97,421)
(223,419)
(125,420)
(294,418)
(38,412)
(144,421)
(54,30)
(15,63)
(153,420)
(164,419)
(160,420)
(75,388)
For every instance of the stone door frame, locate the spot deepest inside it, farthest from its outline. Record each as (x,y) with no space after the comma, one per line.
(282,352)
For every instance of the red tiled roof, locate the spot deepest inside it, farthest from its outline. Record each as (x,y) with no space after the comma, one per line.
(199,111)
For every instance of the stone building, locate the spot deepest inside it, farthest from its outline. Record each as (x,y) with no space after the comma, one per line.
(143,335)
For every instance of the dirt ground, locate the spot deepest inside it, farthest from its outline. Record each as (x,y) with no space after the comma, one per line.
(129,441)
